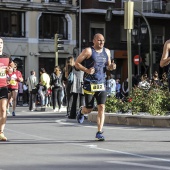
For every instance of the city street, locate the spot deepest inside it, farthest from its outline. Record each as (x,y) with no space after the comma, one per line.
(50,141)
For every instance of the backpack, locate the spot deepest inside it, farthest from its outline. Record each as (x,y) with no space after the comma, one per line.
(70,77)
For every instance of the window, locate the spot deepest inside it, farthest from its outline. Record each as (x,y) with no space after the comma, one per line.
(51,24)
(12,24)
(111,1)
(96,28)
(152,6)
(158,34)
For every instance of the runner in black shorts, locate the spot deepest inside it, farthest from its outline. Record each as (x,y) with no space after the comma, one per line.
(96,61)
(5,61)
(3,93)
(99,96)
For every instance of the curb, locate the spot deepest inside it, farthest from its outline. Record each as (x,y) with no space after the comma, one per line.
(133,120)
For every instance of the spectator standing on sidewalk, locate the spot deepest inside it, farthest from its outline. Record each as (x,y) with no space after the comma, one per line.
(144,83)
(156,82)
(118,89)
(125,88)
(20,94)
(67,70)
(32,83)
(25,94)
(77,92)
(96,59)
(44,85)
(57,88)
(111,85)
(164,81)
(5,61)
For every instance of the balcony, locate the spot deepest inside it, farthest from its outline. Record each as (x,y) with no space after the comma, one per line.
(58,1)
(41,1)
(150,6)
(15,0)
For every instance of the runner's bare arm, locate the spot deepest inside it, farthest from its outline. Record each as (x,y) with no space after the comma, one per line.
(165,60)
(111,65)
(86,53)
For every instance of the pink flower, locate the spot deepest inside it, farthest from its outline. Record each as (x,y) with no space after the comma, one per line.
(130,100)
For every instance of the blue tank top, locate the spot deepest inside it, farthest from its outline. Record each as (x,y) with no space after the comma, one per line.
(99,61)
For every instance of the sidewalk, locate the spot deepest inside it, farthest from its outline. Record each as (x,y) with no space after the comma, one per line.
(133,120)
(25,108)
(115,118)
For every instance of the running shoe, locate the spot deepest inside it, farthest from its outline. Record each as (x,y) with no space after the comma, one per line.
(99,136)
(7,112)
(55,110)
(2,137)
(13,113)
(80,116)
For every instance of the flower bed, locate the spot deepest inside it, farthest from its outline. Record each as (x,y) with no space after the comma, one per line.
(155,101)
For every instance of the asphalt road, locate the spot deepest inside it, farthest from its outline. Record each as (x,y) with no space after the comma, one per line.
(50,141)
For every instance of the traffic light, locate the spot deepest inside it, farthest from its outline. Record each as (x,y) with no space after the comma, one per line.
(58,42)
(57,46)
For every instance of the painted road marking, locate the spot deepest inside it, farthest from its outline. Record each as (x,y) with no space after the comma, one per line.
(95,147)
(139,165)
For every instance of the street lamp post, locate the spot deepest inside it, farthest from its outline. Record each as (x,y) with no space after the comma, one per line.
(128,25)
(108,18)
(150,45)
(138,32)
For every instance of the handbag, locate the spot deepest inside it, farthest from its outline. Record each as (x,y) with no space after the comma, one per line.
(71,77)
(34,91)
(44,88)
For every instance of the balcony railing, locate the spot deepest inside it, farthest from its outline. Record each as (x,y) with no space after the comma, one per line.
(15,0)
(151,6)
(46,1)
(58,1)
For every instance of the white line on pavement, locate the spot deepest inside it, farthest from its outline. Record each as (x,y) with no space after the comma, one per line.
(139,165)
(91,146)
(22,133)
(125,153)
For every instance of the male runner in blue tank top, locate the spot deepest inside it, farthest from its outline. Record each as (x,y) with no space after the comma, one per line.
(96,61)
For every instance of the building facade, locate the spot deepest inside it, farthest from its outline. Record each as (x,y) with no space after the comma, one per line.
(157,13)
(28,28)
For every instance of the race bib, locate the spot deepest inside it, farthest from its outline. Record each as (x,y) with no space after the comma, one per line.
(13,82)
(2,73)
(97,87)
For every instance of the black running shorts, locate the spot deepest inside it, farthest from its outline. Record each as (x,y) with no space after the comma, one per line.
(99,96)
(3,93)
